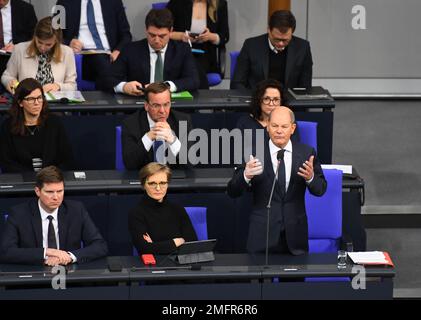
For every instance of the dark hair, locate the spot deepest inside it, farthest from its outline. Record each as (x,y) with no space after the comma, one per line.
(50,174)
(24,89)
(282,20)
(151,169)
(256,99)
(159,18)
(156,87)
(45,30)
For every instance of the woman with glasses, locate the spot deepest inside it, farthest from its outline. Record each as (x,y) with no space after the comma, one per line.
(30,138)
(157,225)
(43,58)
(266,96)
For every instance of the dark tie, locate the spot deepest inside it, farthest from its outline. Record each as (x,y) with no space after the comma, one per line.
(52,242)
(159,71)
(281,172)
(92,25)
(1,31)
(158,152)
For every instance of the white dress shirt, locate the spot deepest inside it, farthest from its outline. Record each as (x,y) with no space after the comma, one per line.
(6,13)
(152,60)
(45,223)
(175,147)
(85,35)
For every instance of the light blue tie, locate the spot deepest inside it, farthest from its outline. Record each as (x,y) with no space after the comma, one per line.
(92,25)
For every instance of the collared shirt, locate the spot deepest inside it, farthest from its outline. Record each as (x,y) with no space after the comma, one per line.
(6,13)
(272,48)
(45,223)
(287,160)
(85,35)
(152,60)
(175,147)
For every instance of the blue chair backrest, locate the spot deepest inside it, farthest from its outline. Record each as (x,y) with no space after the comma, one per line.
(325,215)
(159,5)
(233,58)
(198,218)
(82,85)
(308,133)
(119,164)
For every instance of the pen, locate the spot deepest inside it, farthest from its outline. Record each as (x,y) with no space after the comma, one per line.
(188,38)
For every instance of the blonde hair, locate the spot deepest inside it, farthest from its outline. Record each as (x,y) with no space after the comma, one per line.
(212,9)
(44,30)
(152,168)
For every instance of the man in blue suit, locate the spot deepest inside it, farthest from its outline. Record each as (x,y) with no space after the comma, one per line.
(154,59)
(49,230)
(96,24)
(299,169)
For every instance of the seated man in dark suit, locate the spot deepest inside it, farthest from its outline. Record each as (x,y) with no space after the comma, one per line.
(148,134)
(299,169)
(96,24)
(275,55)
(18,23)
(50,231)
(154,59)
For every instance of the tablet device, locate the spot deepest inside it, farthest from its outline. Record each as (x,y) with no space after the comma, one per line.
(196,251)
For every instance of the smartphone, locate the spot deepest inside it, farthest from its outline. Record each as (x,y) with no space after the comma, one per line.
(194,35)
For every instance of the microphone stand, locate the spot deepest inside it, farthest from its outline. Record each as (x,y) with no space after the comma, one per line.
(268,207)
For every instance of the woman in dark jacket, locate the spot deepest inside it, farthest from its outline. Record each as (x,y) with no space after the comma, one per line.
(31,138)
(205,24)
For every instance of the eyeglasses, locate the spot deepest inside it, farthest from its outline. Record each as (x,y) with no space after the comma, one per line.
(158,106)
(153,184)
(269,100)
(31,100)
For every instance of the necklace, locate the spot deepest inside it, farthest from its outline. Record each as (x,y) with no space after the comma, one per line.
(32,131)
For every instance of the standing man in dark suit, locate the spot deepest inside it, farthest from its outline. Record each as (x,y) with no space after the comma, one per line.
(275,55)
(96,24)
(150,133)
(154,59)
(299,169)
(17,24)
(50,231)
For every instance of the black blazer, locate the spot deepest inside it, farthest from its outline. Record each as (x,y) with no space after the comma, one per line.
(22,237)
(133,64)
(134,128)
(56,150)
(289,210)
(182,13)
(23,21)
(253,64)
(117,27)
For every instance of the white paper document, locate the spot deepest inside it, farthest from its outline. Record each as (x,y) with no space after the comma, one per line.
(347,169)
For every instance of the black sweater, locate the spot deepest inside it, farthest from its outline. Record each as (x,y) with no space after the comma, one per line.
(163,221)
(49,142)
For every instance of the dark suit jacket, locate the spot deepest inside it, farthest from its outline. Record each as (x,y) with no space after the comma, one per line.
(134,128)
(288,211)
(133,64)
(23,21)
(182,13)
(22,237)
(116,25)
(253,63)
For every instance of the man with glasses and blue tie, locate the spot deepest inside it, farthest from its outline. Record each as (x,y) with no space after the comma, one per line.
(276,54)
(154,59)
(100,25)
(50,230)
(157,133)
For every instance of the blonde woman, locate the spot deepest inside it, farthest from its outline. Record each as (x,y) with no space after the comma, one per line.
(43,58)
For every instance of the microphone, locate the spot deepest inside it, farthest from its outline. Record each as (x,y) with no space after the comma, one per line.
(279,157)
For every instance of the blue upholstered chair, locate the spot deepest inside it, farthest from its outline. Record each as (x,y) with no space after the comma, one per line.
(308,133)
(233,58)
(119,164)
(82,85)
(213,79)
(159,5)
(325,215)
(198,218)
